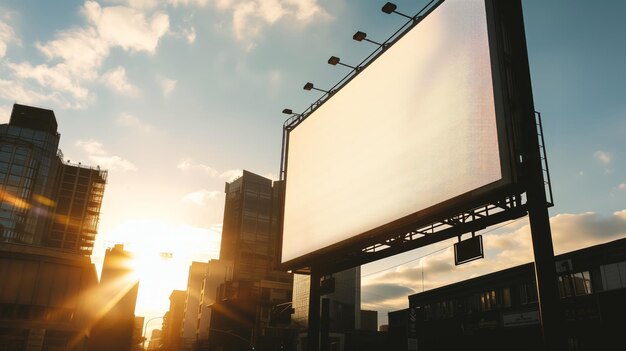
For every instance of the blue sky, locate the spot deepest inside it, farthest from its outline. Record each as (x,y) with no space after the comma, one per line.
(176,97)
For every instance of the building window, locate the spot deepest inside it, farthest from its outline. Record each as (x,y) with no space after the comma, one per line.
(582,283)
(506,297)
(528,293)
(613,276)
(488,300)
(575,283)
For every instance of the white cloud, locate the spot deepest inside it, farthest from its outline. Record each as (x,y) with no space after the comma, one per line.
(137,4)
(603,156)
(17,91)
(190,35)
(128,120)
(5,114)
(7,36)
(127,27)
(200,3)
(167,86)
(75,55)
(306,10)
(202,196)
(622,186)
(59,77)
(96,153)
(231,174)
(117,80)
(188,164)
(250,17)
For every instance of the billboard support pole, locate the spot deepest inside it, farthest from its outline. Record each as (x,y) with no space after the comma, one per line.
(313,335)
(543,251)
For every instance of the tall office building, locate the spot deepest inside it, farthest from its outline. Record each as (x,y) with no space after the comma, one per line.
(48,286)
(249,239)
(28,161)
(44,200)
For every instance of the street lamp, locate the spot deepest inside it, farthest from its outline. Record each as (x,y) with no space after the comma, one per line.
(145,328)
(231,333)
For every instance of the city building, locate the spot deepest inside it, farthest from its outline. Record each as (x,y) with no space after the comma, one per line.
(197,272)
(155,339)
(250,214)
(28,165)
(46,298)
(138,333)
(217,273)
(500,310)
(50,298)
(78,197)
(115,303)
(45,200)
(171,338)
(369,320)
(343,304)
(240,316)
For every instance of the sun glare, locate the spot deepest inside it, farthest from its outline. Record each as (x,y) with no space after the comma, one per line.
(162,253)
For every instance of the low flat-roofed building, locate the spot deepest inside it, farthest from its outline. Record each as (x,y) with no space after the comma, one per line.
(500,310)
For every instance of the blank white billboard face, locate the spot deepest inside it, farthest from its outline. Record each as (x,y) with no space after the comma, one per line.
(417,127)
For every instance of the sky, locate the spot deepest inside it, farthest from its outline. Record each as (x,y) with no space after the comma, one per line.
(176,97)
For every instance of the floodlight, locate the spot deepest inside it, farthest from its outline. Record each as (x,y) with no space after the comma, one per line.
(360,36)
(391,8)
(309,86)
(288,111)
(334,60)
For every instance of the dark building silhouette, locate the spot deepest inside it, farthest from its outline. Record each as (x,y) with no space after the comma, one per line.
(46,298)
(116,300)
(241,315)
(171,338)
(341,305)
(500,311)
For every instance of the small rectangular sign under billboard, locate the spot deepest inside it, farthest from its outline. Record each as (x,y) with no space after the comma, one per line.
(468,250)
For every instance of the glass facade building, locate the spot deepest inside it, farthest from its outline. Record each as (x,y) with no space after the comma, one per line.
(28,161)
(43,200)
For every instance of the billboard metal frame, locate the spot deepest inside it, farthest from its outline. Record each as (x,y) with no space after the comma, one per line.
(530,194)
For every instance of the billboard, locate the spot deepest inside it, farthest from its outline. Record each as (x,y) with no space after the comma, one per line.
(418,133)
